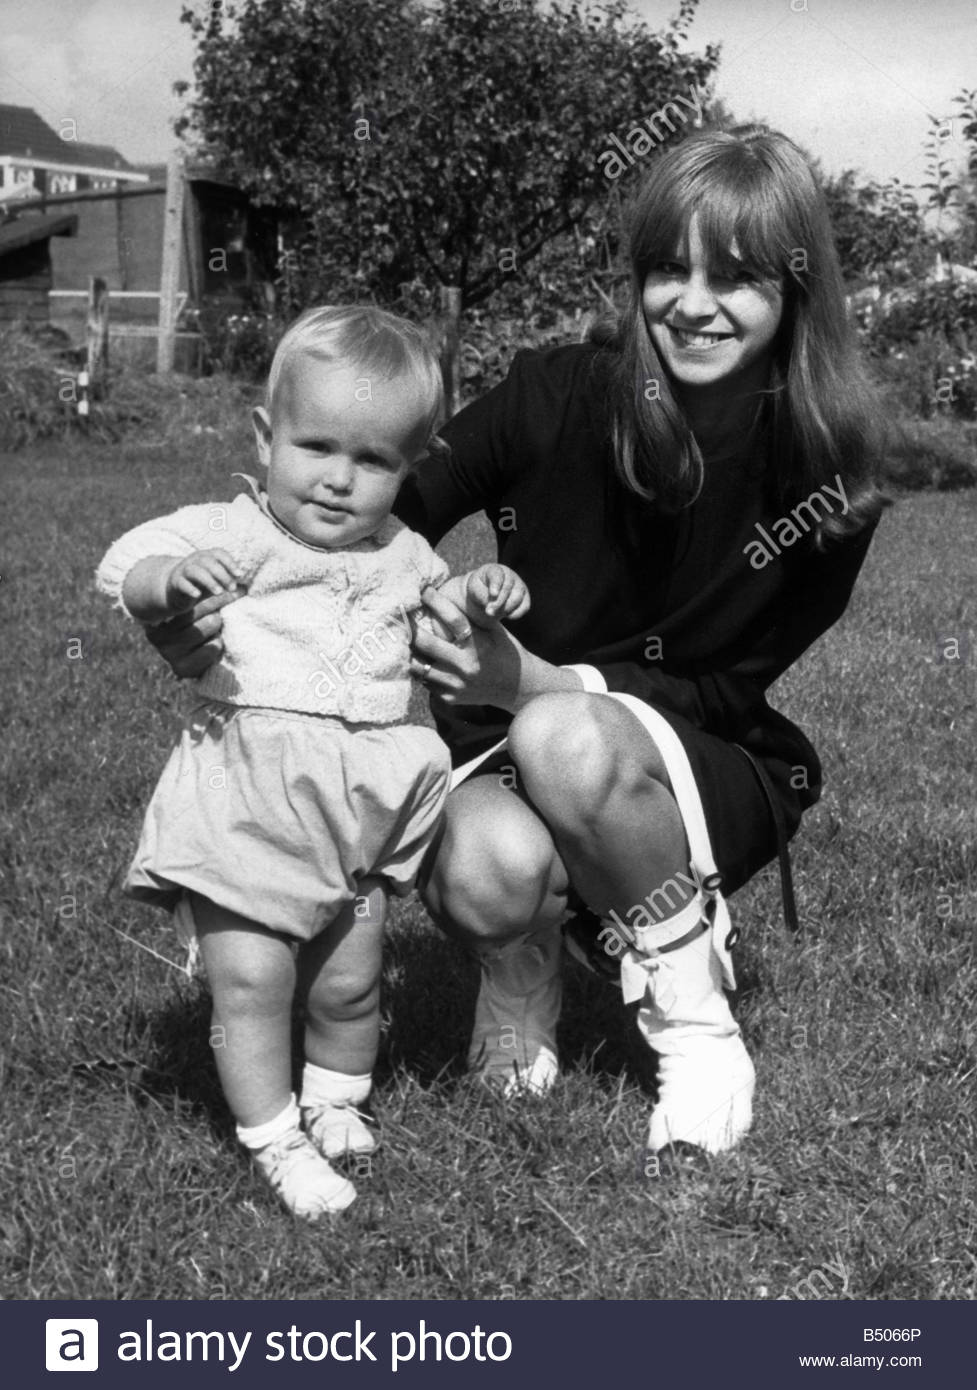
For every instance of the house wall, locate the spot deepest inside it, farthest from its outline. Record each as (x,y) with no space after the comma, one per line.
(120,239)
(25,278)
(92,251)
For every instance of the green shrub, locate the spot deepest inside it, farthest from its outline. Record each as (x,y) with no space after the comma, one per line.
(241,344)
(33,403)
(490,343)
(39,399)
(924,345)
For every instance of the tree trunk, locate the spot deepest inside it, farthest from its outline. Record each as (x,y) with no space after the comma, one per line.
(451,347)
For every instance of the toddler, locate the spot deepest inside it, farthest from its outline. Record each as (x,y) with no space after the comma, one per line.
(298,796)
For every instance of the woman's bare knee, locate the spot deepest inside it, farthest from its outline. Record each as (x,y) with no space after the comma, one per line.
(576,750)
(496,871)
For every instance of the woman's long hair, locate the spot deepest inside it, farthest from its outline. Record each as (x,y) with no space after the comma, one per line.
(758,205)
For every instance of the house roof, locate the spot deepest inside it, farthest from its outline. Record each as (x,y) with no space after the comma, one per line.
(24,230)
(23,133)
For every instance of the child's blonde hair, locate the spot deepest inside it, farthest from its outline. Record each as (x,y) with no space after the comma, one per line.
(372,339)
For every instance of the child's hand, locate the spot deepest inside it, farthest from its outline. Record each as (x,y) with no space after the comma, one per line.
(198,575)
(498,592)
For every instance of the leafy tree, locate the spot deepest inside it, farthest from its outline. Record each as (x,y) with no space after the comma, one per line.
(878,227)
(426,145)
(965,240)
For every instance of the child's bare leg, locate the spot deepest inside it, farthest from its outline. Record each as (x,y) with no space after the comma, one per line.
(251,971)
(339,980)
(252,978)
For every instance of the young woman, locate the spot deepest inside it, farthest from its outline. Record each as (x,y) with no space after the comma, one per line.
(689,501)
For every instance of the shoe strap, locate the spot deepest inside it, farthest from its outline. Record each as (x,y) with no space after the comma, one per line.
(701,859)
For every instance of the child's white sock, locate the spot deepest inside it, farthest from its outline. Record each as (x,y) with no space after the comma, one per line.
(329,1108)
(320,1086)
(303,1180)
(258,1136)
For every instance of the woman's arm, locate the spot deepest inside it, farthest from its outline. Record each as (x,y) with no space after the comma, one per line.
(475,468)
(495,669)
(192,642)
(482,665)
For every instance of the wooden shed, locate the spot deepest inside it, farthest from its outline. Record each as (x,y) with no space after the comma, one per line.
(25,265)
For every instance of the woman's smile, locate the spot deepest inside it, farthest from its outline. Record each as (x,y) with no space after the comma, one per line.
(695,340)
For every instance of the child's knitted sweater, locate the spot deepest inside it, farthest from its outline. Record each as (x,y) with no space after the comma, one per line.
(321,631)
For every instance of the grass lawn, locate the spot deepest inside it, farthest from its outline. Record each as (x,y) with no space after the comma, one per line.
(120,1176)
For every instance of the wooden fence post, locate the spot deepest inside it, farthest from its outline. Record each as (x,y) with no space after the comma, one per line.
(451,347)
(169,284)
(97,338)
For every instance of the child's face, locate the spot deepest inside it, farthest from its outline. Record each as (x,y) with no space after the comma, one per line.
(711,330)
(337,449)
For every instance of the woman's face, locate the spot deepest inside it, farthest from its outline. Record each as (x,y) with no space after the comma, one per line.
(711,329)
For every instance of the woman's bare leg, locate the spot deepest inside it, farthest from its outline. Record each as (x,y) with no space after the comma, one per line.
(602,795)
(598,779)
(600,784)
(495,872)
(496,883)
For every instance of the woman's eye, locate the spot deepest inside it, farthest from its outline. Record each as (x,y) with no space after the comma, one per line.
(741,275)
(668,268)
(738,279)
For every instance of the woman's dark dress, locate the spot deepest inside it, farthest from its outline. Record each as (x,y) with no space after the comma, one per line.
(668,608)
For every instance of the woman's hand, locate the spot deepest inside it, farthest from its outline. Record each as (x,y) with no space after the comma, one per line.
(463,662)
(479,662)
(192,642)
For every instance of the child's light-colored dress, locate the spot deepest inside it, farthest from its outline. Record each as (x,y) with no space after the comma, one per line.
(297,774)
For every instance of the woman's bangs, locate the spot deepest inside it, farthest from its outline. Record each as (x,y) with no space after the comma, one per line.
(743,229)
(663,233)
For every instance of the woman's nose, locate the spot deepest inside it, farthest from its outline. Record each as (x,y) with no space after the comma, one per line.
(696,299)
